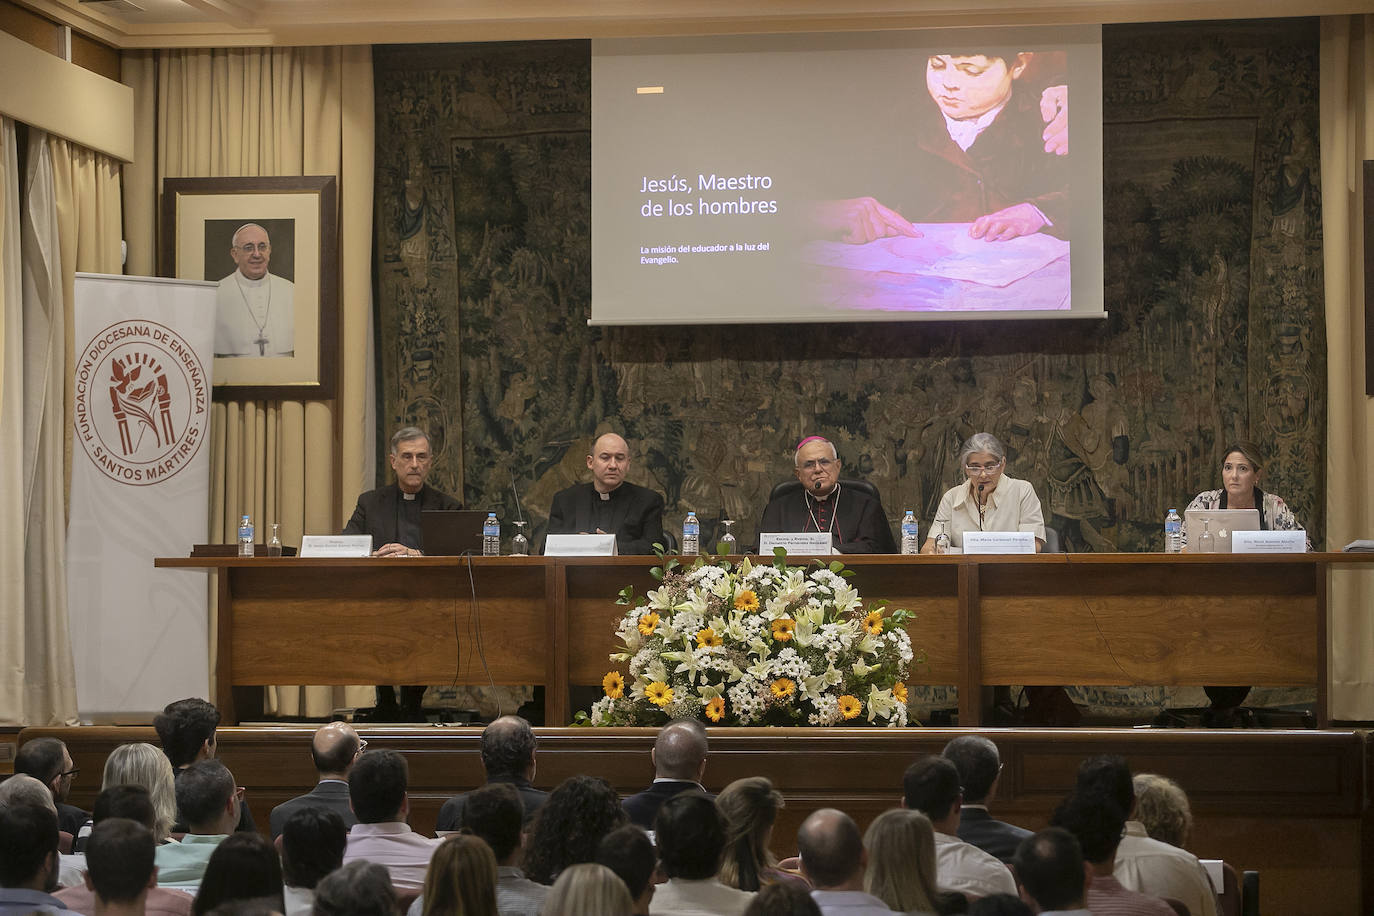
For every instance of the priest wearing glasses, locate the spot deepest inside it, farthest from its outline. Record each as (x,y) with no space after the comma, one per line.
(855,520)
(255,314)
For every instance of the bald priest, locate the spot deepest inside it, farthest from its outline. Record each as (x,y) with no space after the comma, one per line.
(610,504)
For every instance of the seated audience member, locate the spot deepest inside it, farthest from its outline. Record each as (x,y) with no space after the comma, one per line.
(999,905)
(126,803)
(461,880)
(629,853)
(931,786)
(495,814)
(121,878)
(1054,878)
(145,766)
(312,846)
(610,504)
(1096,822)
(585,889)
(901,862)
(690,835)
(570,826)
(679,759)
(832,859)
(855,520)
(28,859)
(48,761)
(356,889)
(377,787)
(1143,864)
(980,766)
(1162,808)
(333,750)
(783,900)
(23,789)
(186,729)
(244,867)
(209,802)
(508,756)
(750,808)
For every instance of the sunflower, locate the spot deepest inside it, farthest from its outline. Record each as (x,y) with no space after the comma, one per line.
(708,637)
(873,623)
(715,709)
(899,692)
(850,707)
(614,685)
(747,601)
(659,693)
(648,623)
(783,687)
(783,629)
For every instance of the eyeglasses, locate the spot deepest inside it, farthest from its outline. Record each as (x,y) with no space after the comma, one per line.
(362,745)
(239,792)
(814,463)
(983,468)
(260,247)
(73,772)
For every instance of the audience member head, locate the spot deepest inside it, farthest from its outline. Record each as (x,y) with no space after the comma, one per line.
(931,786)
(690,835)
(377,787)
(1050,867)
(494,813)
(208,799)
(508,746)
(832,852)
(144,765)
(129,802)
(26,790)
(680,751)
(750,807)
(588,888)
(1096,822)
(359,888)
(334,748)
(244,866)
(312,846)
(629,853)
(978,763)
(186,729)
(48,761)
(999,905)
(782,900)
(1162,806)
(28,844)
(461,878)
(1108,775)
(570,825)
(901,860)
(119,859)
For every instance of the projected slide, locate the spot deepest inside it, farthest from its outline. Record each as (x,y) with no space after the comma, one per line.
(887,176)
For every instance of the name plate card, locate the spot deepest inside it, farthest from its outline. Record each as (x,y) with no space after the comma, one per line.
(336,545)
(1269,541)
(580,545)
(796,543)
(999,542)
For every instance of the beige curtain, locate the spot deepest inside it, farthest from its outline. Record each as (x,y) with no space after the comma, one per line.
(256,112)
(1347,139)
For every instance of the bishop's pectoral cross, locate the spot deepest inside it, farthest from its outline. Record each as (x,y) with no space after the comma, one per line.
(262,344)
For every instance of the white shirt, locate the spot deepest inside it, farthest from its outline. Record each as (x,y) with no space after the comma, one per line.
(964,133)
(300,901)
(1013,506)
(849,903)
(965,868)
(403,852)
(1151,867)
(708,897)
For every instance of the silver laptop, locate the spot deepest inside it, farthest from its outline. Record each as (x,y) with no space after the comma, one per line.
(1220,522)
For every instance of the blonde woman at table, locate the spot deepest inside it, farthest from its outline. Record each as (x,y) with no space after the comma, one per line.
(989,500)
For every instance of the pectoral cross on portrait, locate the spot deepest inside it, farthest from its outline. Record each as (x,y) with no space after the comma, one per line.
(261,341)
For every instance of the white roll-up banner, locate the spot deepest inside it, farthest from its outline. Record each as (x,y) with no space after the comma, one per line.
(140,490)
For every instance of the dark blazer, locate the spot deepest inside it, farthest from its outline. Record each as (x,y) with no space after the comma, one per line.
(642,807)
(636,515)
(70,818)
(451,814)
(375,513)
(331,794)
(860,523)
(997,838)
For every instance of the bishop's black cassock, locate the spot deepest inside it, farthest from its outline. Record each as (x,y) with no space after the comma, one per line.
(855,520)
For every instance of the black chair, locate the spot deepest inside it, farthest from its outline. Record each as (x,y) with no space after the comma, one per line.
(669,543)
(791,486)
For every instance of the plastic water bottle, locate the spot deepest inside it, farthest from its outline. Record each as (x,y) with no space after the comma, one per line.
(1173,532)
(691,535)
(245,536)
(910,533)
(491,536)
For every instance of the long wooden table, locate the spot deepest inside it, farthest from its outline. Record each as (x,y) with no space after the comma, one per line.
(1100,619)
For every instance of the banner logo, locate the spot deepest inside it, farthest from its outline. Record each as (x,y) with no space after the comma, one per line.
(142,402)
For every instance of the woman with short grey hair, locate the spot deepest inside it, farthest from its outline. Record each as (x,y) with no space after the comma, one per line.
(988,500)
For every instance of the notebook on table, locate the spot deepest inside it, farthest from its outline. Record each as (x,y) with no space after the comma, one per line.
(452,532)
(1220,522)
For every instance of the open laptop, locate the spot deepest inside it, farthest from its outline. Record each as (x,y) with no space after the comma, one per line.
(452,532)
(1220,522)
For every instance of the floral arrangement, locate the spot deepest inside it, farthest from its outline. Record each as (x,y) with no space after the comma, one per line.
(758,644)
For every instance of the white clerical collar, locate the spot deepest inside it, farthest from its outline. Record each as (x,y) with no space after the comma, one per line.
(966,132)
(405,495)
